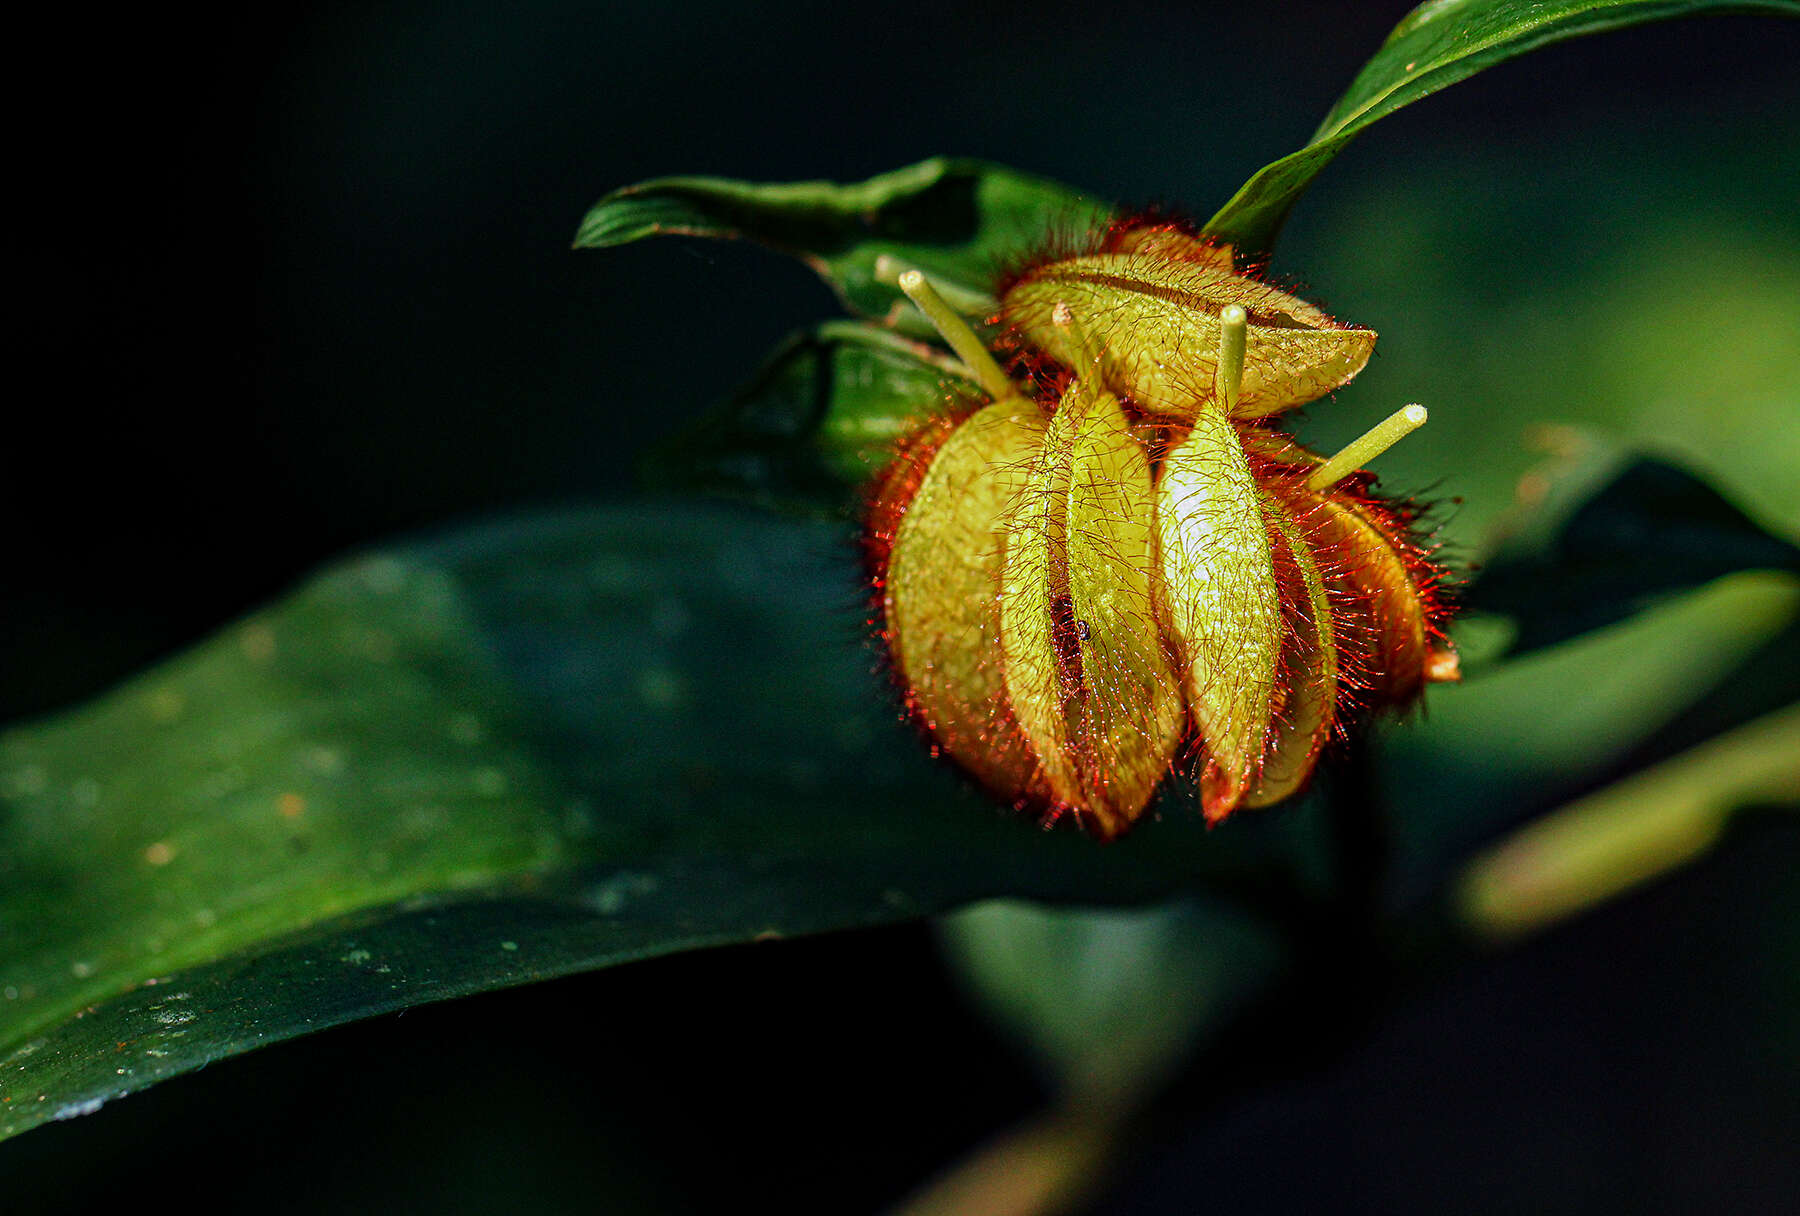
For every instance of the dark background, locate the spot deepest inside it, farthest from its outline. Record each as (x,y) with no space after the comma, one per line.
(289,284)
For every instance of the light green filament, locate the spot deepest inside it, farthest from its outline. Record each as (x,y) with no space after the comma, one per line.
(1228,379)
(957,334)
(1372,443)
(964,300)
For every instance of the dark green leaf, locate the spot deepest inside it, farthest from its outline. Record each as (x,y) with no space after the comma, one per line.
(818,420)
(555,744)
(1436,45)
(1652,530)
(961,221)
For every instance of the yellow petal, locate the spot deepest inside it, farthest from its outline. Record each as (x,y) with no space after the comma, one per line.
(1157,318)
(1385,642)
(1089,683)
(1388,640)
(941,597)
(1308,681)
(1219,599)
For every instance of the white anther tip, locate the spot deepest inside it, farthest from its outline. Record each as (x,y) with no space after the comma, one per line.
(1415,415)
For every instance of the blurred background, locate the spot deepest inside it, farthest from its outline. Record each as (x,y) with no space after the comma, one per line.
(296,282)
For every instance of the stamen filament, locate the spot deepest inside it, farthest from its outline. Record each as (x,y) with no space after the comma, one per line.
(1372,443)
(964,300)
(1228,378)
(957,334)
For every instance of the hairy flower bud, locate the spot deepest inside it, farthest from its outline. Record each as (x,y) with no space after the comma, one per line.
(1084,589)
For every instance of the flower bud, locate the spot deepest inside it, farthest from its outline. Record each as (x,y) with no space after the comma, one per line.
(1078,591)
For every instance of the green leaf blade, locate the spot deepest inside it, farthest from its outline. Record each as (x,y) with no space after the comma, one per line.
(1437,45)
(217,800)
(816,423)
(1650,530)
(545,732)
(962,221)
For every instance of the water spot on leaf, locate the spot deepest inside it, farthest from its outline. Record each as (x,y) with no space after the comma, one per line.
(75,1110)
(257,641)
(423,822)
(24,782)
(328,761)
(166,705)
(383,575)
(610,896)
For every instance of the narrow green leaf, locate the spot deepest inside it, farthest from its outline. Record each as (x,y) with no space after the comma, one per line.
(815,423)
(1630,832)
(1436,45)
(1650,530)
(1526,735)
(959,220)
(541,746)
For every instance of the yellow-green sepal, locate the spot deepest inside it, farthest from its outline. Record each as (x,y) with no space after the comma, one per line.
(1220,601)
(941,598)
(1307,688)
(1157,320)
(1090,684)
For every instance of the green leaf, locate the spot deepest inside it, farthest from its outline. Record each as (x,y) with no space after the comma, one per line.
(1631,831)
(536,747)
(1651,530)
(1623,594)
(961,221)
(1436,45)
(1526,735)
(815,423)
